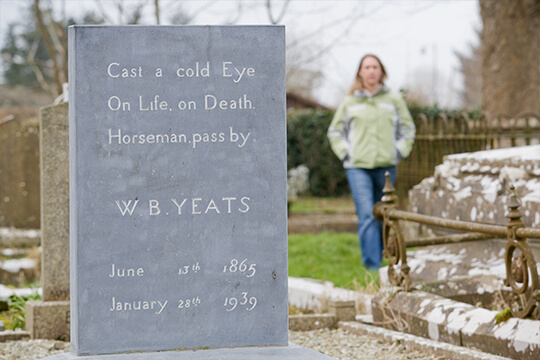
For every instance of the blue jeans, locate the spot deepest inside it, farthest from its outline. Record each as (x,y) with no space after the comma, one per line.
(366,187)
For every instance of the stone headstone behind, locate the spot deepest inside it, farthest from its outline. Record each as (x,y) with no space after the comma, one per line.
(177,188)
(49,318)
(55,202)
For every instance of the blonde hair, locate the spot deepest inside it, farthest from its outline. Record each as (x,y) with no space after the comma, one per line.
(358,84)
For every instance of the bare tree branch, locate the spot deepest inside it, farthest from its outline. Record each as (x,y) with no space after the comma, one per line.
(63,50)
(239,10)
(120,7)
(325,49)
(201,9)
(156,5)
(352,16)
(50,48)
(280,16)
(103,12)
(137,14)
(36,69)
(125,14)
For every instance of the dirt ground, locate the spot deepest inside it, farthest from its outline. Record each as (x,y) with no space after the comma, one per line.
(317,223)
(315,215)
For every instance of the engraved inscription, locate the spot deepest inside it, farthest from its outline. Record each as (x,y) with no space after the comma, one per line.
(191,206)
(242,267)
(189,303)
(233,136)
(114,70)
(139,305)
(123,272)
(186,269)
(231,303)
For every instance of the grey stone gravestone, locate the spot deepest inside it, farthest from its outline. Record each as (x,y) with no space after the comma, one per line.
(178,228)
(49,318)
(54,142)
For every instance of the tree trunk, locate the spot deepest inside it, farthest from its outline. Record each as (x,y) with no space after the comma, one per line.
(510,56)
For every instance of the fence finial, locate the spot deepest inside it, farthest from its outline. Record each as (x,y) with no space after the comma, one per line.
(513,209)
(389,190)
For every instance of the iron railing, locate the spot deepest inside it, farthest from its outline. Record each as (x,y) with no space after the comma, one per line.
(521,271)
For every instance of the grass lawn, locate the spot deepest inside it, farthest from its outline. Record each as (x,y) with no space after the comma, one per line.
(330,256)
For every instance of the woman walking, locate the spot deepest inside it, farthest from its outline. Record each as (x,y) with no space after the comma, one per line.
(370,132)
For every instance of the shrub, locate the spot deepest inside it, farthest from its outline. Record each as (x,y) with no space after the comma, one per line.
(307,144)
(17,312)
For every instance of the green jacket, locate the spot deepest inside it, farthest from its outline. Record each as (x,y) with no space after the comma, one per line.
(371,131)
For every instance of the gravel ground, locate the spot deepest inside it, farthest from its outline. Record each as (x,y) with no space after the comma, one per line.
(335,343)
(342,345)
(31,349)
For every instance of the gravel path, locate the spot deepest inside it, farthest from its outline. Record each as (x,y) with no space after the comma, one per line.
(336,343)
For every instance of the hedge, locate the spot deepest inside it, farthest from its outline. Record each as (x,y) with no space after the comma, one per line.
(307,144)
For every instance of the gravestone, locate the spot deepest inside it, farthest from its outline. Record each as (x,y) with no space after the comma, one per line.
(49,318)
(473,187)
(178,227)
(55,202)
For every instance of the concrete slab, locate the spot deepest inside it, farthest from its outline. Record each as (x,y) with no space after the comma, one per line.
(312,322)
(445,320)
(317,295)
(475,186)
(263,353)
(412,342)
(473,272)
(10,335)
(48,319)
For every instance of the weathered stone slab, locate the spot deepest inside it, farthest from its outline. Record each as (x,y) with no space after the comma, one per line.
(310,322)
(177,188)
(442,319)
(261,353)
(454,262)
(317,295)
(10,335)
(48,319)
(475,186)
(343,310)
(54,142)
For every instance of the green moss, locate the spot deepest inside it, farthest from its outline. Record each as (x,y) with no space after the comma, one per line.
(503,316)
